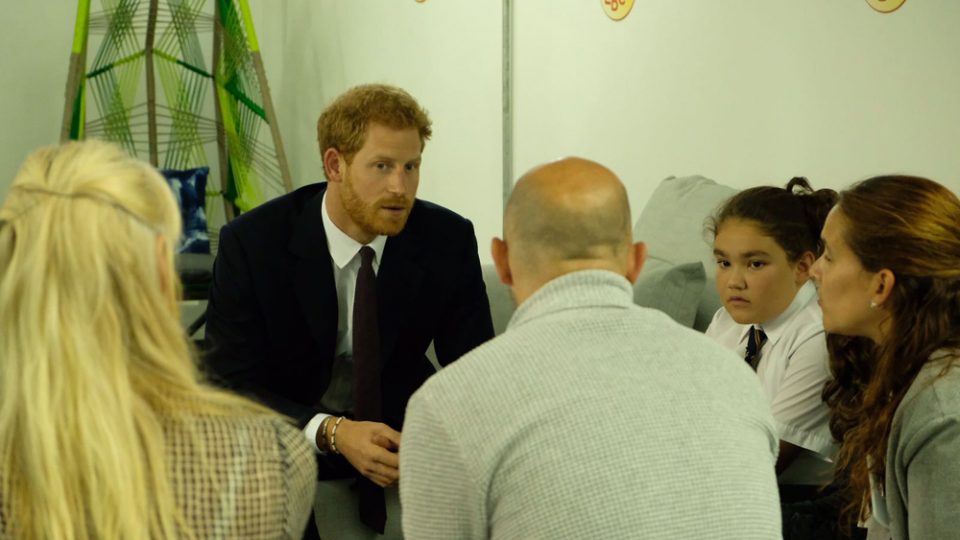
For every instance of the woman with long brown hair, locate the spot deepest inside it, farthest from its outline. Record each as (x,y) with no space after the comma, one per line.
(890,276)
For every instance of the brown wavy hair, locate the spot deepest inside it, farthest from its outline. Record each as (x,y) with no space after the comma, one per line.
(851,367)
(910,226)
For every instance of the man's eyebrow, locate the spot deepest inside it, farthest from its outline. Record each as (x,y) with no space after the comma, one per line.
(392,159)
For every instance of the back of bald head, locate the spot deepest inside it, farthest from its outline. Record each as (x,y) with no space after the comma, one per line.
(568,212)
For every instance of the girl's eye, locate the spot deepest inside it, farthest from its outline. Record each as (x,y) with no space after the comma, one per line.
(722,263)
(757,264)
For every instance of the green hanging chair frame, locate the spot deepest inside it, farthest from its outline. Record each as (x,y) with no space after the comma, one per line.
(116,96)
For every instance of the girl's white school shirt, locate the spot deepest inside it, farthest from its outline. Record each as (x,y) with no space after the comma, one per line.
(793,367)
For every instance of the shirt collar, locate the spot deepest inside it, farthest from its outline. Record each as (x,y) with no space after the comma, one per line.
(343,248)
(774,328)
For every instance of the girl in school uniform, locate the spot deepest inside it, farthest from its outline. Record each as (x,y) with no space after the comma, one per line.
(765,241)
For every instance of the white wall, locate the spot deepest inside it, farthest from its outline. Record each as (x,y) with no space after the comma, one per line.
(446,53)
(35,40)
(746,92)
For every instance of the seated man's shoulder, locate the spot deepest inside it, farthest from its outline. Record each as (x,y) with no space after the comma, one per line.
(282,209)
(430,220)
(493,362)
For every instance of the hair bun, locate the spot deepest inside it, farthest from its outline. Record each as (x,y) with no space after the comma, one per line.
(799,185)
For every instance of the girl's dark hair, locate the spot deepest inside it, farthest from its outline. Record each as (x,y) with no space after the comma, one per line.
(792,216)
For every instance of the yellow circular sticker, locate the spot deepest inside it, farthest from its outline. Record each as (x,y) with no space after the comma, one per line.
(617,9)
(886,6)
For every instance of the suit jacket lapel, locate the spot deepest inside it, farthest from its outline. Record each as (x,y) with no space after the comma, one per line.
(399,280)
(313,279)
(398,287)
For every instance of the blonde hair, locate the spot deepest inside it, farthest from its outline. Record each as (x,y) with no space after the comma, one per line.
(93,360)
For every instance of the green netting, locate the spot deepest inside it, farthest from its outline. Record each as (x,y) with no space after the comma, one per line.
(185,84)
(188,90)
(237,81)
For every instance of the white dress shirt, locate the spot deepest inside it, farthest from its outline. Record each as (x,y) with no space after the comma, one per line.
(346,263)
(793,367)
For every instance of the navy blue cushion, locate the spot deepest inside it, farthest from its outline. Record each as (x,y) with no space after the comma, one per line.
(190,189)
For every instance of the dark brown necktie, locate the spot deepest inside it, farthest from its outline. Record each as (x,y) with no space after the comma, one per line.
(754,343)
(366,379)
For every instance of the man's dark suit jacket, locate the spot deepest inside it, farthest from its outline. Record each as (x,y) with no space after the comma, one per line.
(272,317)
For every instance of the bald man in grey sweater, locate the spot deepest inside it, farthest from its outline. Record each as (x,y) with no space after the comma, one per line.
(590,417)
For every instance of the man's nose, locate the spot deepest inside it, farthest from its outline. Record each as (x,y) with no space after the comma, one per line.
(398,182)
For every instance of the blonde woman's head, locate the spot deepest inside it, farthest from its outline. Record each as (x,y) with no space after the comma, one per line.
(93,359)
(86,221)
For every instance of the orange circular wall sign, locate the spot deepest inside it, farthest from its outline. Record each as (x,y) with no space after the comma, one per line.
(617,9)
(886,6)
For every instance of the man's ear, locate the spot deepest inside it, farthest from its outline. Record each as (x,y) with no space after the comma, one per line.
(637,256)
(802,267)
(883,282)
(499,251)
(333,164)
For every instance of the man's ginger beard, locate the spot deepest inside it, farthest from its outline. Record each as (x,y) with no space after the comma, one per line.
(367,215)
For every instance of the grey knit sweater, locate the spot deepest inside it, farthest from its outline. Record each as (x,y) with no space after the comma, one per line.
(590,417)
